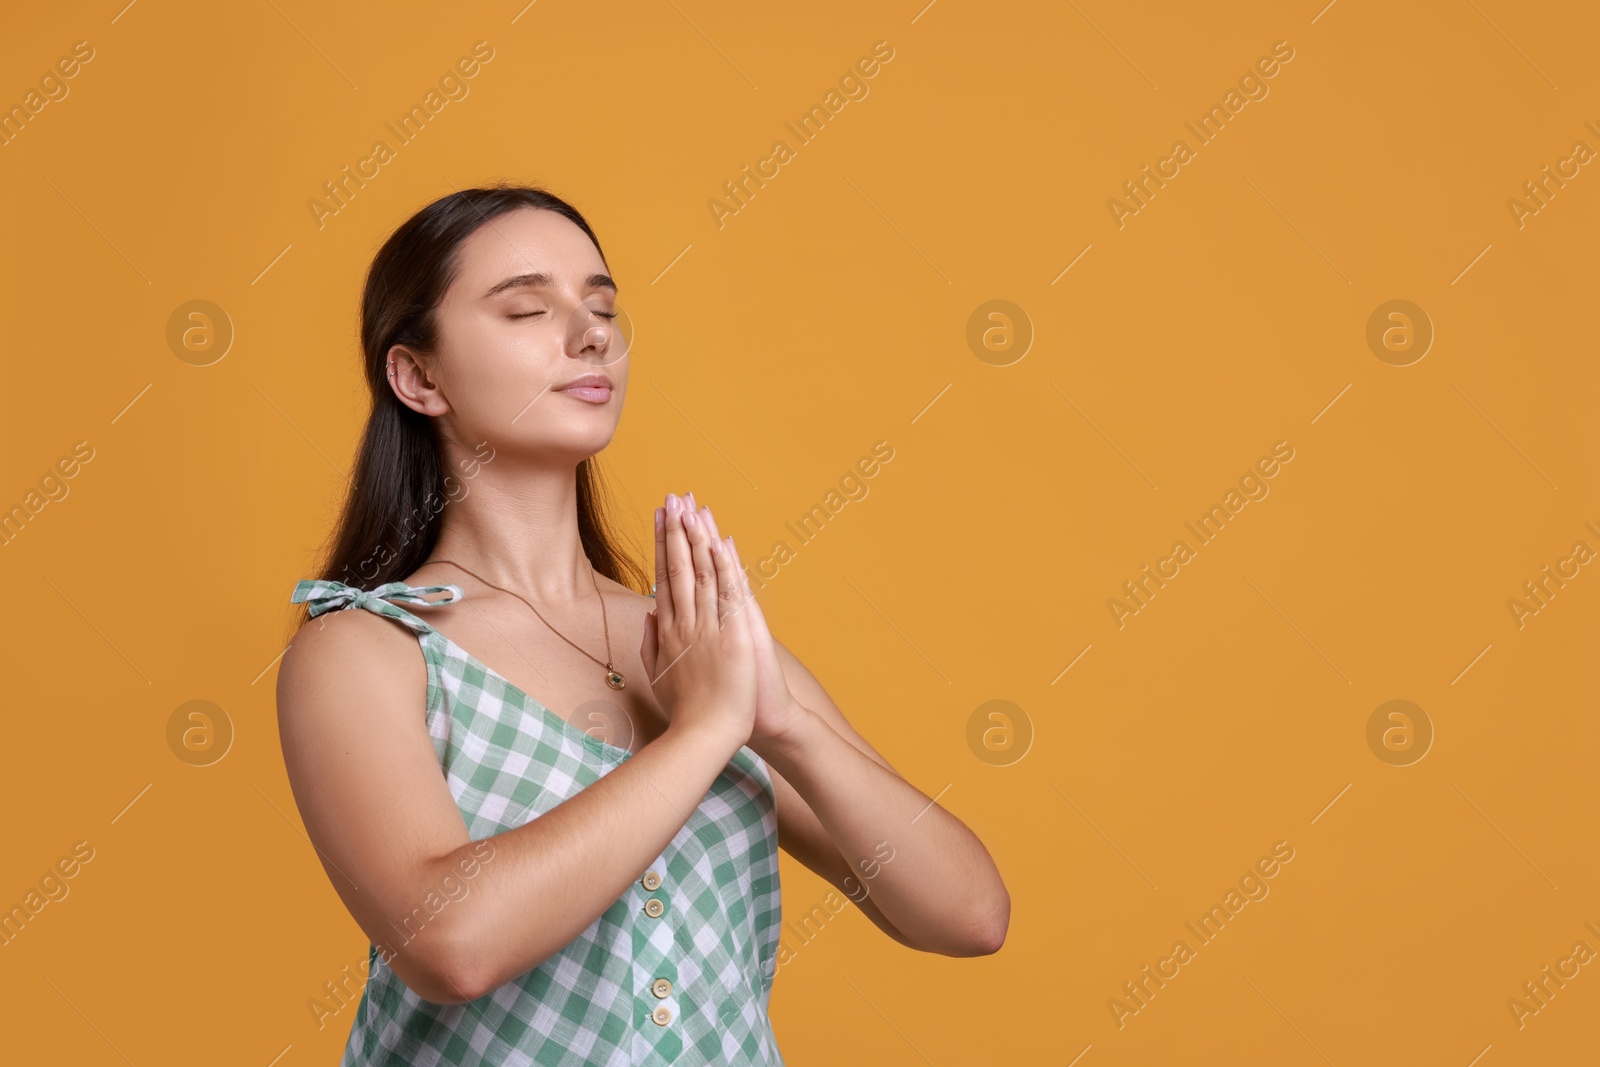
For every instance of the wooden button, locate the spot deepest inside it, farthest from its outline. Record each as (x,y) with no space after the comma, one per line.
(661,1016)
(651,880)
(661,988)
(653,907)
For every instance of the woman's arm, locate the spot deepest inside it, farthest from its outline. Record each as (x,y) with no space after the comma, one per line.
(366,779)
(842,809)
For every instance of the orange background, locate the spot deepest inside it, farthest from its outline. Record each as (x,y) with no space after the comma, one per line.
(831,312)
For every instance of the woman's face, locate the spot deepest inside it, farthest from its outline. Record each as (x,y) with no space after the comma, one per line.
(530,314)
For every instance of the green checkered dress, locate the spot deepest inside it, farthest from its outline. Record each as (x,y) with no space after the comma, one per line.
(600,1000)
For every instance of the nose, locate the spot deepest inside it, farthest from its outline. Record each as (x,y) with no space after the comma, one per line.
(599,342)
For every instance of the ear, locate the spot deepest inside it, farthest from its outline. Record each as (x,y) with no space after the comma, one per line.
(407,374)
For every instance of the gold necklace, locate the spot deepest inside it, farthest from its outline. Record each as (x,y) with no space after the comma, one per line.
(613,676)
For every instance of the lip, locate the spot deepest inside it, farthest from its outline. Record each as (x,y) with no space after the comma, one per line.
(594,380)
(594,388)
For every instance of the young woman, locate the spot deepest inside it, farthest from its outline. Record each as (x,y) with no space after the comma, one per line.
(536,891)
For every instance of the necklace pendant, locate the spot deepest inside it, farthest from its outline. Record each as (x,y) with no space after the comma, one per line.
(614,677)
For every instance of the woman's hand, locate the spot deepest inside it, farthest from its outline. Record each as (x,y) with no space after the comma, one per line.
(697,646)
(776,707)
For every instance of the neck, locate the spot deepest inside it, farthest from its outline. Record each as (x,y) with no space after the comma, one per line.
(518,528)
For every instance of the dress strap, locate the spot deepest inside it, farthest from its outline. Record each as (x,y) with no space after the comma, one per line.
(323,595)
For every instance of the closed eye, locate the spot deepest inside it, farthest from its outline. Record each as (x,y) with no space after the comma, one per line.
(529,314)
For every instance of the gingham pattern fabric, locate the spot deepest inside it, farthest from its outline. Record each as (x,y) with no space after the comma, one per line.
(508,759)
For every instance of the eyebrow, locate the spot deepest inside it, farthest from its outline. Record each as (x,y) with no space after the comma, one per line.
(539,278)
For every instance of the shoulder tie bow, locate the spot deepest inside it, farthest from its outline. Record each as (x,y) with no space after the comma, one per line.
(323,596)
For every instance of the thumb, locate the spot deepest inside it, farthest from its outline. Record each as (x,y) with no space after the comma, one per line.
(648,647)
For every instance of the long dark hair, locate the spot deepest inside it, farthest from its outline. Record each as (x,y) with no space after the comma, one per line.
(391,516)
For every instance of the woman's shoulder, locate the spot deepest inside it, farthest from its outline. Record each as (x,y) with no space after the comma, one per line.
(343,645)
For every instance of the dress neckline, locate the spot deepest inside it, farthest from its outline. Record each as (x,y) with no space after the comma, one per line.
(331,594)
(544,711)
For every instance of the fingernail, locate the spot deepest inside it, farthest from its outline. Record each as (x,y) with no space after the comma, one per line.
(661,519)
(688,517)
(691,499)
(673,504)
